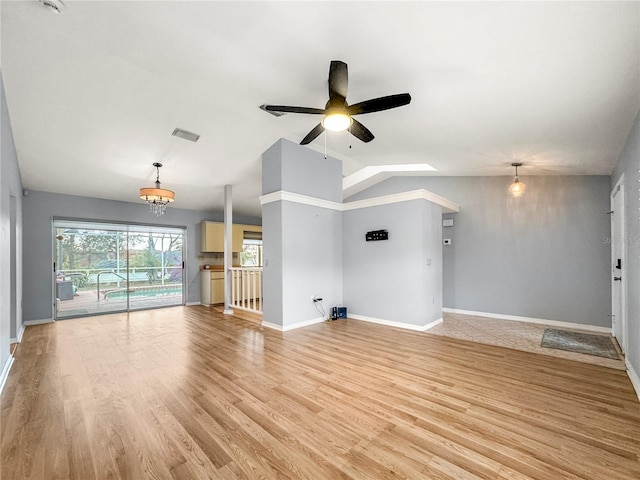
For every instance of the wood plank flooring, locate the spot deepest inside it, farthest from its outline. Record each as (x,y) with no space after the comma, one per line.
(187,393)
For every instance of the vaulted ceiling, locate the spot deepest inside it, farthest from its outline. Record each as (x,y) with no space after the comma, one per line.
(95,92)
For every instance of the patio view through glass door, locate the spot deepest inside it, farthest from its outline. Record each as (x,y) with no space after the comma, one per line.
(107,268)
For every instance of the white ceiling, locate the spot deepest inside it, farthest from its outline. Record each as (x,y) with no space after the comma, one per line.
(95,93)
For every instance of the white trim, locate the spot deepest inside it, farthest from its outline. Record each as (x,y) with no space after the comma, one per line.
(41,321)
(371,175)
(19,337)
(541,321)
(422,194)
(293,326)
(633,376)
(227,311)
(5,372)
(391,323)
(284,196)
(191,304)
(272,326)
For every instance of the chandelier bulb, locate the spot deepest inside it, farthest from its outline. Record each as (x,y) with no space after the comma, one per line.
(517,189)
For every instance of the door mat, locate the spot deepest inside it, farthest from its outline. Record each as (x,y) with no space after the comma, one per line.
(598,345)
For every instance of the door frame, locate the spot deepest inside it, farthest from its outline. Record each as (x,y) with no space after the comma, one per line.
(619,217)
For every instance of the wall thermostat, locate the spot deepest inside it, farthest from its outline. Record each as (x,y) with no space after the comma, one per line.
(376,235)
(446,241)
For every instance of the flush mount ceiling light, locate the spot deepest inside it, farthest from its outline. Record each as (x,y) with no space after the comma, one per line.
(157,198)
(517,189)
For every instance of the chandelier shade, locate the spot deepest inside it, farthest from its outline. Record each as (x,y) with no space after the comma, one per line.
(158,198)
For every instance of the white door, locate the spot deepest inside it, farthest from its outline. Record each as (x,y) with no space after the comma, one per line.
(618,266)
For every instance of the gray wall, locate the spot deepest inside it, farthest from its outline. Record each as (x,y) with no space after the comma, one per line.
(40,207)
(10,234)
(272,237)
(302,244)
(541,256)
(629,164)
(311,260)
(293,168)
(399,279)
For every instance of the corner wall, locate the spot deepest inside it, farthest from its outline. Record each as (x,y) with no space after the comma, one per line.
(399,280)
(302,242)
(314,245)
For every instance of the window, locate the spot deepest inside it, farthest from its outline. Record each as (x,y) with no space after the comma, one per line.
(251,254)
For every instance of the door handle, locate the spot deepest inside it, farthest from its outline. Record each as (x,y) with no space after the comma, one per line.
(617,279)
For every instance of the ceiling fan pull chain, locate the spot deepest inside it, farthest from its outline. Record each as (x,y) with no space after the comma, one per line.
(349,135)
(325,145)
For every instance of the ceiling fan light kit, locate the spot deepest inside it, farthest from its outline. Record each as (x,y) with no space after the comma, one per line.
(517,189)
(338,114)
(336,121)
(158,198)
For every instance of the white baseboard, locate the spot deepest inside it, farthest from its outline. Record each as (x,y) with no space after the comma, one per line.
(633,376)
(541,321)
(41,321)
(391,323)
(5,372)
(21,333)
(19,336)
(191,304)
(293,326)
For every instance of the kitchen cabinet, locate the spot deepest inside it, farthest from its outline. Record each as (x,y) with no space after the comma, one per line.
(211,287)
(212,235)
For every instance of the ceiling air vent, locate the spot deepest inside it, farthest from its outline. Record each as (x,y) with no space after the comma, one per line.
(192,137)
(275,114)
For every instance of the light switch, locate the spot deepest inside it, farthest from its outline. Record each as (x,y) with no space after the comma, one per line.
(446,241)
(447,222)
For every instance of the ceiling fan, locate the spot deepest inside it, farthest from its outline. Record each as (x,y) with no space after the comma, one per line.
(338,114)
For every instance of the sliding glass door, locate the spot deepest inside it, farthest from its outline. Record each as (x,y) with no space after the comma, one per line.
(106,268)
(155,269)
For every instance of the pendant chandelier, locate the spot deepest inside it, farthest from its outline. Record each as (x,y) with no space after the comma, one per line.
(157,198)
(517,189)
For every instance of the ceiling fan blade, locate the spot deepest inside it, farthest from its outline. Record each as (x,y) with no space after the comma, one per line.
(338,81)
(360,131)
(312,134)
(379,104)
(288,109)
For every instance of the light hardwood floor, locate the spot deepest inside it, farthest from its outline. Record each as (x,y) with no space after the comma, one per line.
(186,393)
